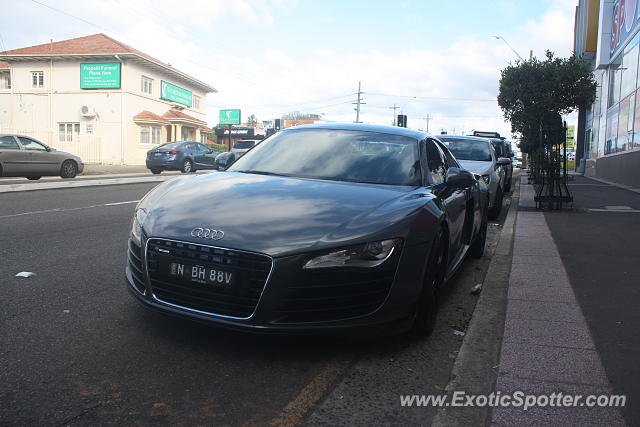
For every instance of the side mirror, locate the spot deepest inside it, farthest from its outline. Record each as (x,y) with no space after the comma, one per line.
(458,177)
(510,154)
(502,161)
(49,149)
(224,160)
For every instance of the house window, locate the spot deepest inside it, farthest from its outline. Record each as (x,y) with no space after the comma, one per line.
(146,85)
(37,79)
(196,101)
(5,80)
(149,134)
(66,131)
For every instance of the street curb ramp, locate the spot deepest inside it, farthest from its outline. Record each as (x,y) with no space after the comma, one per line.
(476,368)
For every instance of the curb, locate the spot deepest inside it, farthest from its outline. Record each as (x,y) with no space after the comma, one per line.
(475,368)
(14,188)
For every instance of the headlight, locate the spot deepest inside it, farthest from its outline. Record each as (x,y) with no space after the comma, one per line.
(367,255)
(487,179)
(136,226)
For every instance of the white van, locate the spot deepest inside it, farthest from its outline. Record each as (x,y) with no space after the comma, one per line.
(244,145)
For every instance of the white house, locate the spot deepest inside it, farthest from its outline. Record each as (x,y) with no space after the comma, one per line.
(99,98)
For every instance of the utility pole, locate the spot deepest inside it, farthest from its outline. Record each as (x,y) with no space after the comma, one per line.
(428,118)
(394,108)
(358,103)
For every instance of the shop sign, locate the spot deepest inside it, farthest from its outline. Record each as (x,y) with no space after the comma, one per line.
(625,20)
(100,75)
(171,92)
(229,117)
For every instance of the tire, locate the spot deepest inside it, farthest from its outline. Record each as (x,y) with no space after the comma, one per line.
(426,313)
(156,171)
(69,169)
(187,166)
(477,248)
(497,205)
(33,178)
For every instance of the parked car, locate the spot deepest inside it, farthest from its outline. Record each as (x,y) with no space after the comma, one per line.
(224,160)
(503,150)
(244,145)
(478,156)
(26,156)
(185,156)
(358,242)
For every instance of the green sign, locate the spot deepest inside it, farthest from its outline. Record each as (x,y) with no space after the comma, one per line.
(105,75)
(174,93)
(571,140)
(229,117)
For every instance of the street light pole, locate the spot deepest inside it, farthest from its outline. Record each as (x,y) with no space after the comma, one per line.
(510,47)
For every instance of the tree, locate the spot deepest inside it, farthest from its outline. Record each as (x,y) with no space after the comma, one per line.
(534,94)
(252,121)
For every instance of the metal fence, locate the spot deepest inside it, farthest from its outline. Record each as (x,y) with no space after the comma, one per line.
(86,146)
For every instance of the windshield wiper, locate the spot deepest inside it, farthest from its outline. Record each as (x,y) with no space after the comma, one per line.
(257,172)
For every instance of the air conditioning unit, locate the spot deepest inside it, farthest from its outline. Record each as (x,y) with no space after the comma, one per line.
(87,111)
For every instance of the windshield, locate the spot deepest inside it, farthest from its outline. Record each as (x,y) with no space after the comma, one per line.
(339,155)
(244,144)
(468,149)
(170,145)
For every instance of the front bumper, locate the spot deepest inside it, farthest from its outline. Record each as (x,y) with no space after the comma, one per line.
(392,315)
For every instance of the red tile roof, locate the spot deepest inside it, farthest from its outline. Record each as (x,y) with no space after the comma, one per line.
(4,65)
(149,116)
(95,44)
(175,114)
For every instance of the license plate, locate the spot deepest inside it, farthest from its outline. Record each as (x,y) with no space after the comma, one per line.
(157,154)
(201,274)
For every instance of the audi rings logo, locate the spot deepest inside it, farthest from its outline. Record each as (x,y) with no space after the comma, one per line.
(207,233)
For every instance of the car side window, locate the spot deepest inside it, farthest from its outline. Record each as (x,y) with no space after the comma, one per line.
(8,143)
(190,147)
(450,161)
(497,145)
(30,144)
(435,162)
(203,148)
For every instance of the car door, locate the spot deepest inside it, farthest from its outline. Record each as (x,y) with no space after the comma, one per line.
(39,160)
(12,157)
(204,159)
(454,199)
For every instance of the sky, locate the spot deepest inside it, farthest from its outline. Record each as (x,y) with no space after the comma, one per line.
(432,59)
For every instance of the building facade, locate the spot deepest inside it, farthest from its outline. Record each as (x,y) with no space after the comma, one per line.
(607,35)
(100,99)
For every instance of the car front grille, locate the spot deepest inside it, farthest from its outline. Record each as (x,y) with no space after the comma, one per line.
(334,295)
(238,301)
(135,265)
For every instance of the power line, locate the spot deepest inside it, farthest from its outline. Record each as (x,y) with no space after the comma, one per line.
(433,97)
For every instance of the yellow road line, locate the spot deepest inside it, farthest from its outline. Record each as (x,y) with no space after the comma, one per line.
(293,414)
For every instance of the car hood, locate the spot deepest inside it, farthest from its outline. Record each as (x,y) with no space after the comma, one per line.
(478,167)
(279,215)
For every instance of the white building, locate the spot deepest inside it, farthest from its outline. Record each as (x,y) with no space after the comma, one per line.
(100,99)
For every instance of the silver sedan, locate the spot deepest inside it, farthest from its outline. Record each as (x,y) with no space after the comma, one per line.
(30,158)
(478,156)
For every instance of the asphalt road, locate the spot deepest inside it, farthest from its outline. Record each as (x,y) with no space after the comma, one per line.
(78,350)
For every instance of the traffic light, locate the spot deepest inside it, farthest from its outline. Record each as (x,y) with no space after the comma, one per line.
(402,120)
(276,124)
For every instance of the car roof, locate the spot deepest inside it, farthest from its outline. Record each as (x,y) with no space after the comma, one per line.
(469,137)
(393,130)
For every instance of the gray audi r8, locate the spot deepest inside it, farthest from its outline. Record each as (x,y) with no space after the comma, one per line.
(321,228)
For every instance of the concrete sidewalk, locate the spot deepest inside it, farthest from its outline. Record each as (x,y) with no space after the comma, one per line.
(114,169)
(547,346)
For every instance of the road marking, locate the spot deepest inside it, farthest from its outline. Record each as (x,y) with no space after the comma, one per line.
(293,414)
(121,203)
(616,210)
(69,209)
